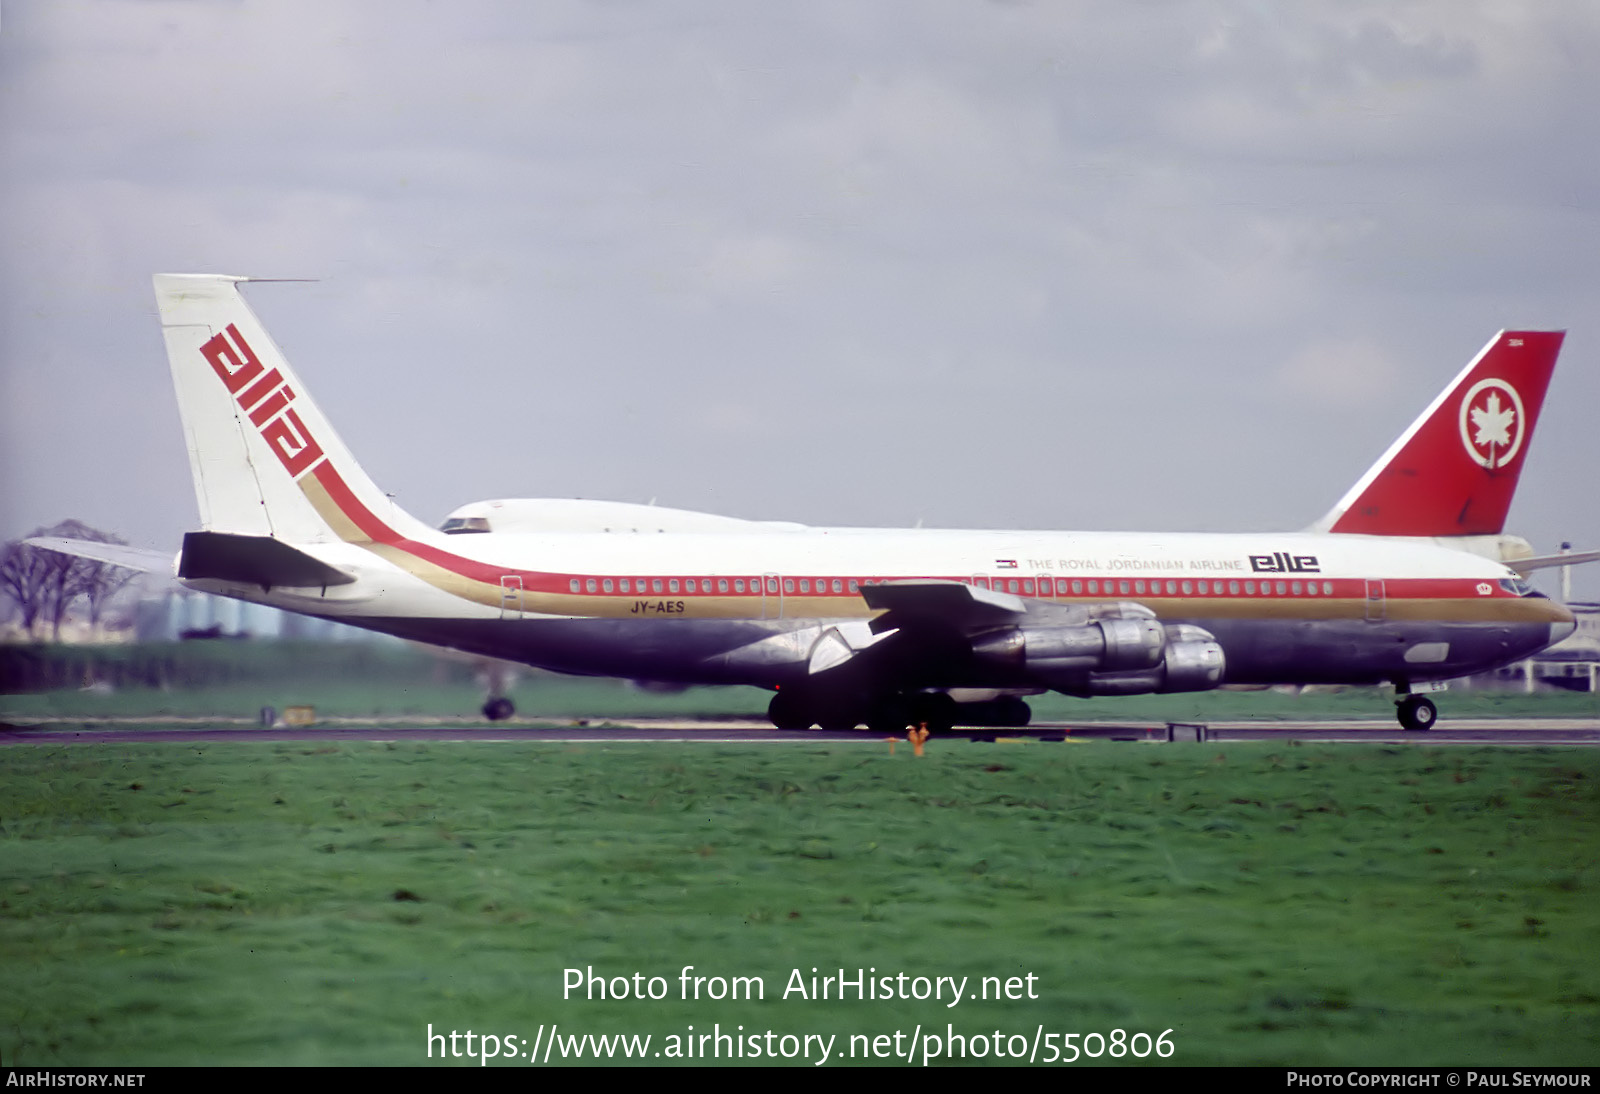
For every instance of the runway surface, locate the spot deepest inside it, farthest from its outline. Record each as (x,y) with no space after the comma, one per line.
(1525,732)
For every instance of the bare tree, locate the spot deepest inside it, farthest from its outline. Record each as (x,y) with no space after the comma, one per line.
(28,576)
(96,581)
(44,583)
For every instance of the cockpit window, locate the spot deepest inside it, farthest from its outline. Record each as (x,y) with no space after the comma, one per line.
(1519,585)
(456,526)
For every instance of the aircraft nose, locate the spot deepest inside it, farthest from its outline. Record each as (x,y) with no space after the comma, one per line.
(1562,623)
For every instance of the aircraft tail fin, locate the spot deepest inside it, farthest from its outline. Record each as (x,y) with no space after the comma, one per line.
(1454,471)
(265,460)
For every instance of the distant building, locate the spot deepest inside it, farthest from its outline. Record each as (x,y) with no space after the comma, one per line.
(176,613)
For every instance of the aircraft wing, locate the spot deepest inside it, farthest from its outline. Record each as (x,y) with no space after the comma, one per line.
(929,629)
(950,603)
(117,554)
(952,606)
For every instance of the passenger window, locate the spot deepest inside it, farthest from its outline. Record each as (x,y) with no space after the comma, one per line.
(838,586)
(605,585)
(738,584)
(1281,588)
(1124,587)
(855,588)
(589,585)
(1327,588)
(1138,586)
(655,584)
(1294,588)
(688,585)
(1189,588)
(573,585)
(1249,588)
(722,584)
(1077,587)
(788,584)
(672,585)
(623,585)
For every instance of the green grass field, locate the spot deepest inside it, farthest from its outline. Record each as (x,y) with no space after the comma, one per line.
(277,903)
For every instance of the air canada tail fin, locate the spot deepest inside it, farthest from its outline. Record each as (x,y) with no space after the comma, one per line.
(1454,471)
(265,460)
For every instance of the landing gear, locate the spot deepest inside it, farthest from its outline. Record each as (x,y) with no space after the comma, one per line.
(1417,712)
(935,710)
(790,711)
(891,713)
(498,708)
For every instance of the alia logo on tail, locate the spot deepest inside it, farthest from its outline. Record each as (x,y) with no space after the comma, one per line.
(265,398)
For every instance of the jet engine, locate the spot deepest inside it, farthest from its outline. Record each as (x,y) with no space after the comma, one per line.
(1109,657)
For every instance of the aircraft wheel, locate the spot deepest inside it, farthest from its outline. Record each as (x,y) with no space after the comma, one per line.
(889,715)
(1417,712)
(936,710)
(787,711)
(499,708)
(1014,712)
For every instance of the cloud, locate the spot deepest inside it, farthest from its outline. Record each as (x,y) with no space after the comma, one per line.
(1339,373)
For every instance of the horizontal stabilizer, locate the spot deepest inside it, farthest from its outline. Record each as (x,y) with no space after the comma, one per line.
(117,554)
(1547,562)
(255,560)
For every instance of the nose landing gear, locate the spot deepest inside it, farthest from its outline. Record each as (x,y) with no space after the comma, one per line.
(1414,712)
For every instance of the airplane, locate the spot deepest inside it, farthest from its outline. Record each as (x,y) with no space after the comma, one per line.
(1408,581)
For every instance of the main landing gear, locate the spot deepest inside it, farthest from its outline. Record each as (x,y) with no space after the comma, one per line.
(497,678)
(798,709)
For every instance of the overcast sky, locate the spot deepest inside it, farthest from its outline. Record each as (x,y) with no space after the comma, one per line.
(1184,266)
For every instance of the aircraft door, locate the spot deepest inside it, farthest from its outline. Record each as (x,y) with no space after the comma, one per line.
(771,596)
(511,597)
(1377,606)
(980,581)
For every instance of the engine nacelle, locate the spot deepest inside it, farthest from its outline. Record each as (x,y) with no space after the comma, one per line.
(1193,661)
(1052,653)
(1109,657)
